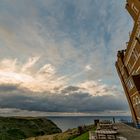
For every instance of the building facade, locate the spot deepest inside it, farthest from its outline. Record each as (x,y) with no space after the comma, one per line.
(128,63)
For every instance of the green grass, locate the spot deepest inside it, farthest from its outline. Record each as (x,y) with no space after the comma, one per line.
(84,136)
(17,128)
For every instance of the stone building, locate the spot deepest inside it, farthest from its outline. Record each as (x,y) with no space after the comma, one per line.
(128,63)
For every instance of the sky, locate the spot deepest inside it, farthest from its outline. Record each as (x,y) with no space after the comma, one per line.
(57,57)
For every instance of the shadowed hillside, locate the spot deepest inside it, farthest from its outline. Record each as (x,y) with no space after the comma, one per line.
(17,128)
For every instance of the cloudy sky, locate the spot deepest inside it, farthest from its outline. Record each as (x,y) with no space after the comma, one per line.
(58,56)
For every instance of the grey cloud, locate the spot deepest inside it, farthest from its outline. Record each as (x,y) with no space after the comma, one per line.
(75,101)
(8,87)
(69,89)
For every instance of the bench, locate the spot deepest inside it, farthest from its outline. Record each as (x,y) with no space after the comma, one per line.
(106,134)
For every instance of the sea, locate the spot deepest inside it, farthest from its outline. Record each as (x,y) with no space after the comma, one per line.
(68,122)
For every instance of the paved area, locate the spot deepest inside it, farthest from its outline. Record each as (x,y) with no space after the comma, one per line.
(128,132)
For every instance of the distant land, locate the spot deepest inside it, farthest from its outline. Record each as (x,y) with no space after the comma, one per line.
(17,128)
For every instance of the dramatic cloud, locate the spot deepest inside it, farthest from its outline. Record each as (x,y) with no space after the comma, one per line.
(82,98)
(26,76)
(59,56)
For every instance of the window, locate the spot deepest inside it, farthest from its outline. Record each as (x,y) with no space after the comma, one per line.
(135,9)
(134,57)
(130,84)
(136,52)
(137,100)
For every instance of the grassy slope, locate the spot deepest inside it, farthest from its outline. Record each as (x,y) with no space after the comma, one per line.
(84,136)
(12,128)
(70,134)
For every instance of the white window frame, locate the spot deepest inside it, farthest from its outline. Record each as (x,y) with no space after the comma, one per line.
(129,67)
(134,72)
(138,70)
(135,9)
(136,53)
(130,84)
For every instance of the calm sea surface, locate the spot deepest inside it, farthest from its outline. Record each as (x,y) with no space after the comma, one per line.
(72,122)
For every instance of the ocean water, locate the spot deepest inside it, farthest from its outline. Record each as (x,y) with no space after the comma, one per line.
(67,122)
